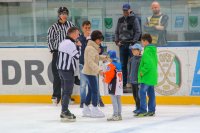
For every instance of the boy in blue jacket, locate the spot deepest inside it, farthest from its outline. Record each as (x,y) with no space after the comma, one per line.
(133,66)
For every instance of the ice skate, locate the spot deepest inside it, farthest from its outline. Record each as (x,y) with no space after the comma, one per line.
(55,101)
(67,116)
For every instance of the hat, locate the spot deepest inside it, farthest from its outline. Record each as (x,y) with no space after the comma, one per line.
(126,6)
(112,55)
(136,46)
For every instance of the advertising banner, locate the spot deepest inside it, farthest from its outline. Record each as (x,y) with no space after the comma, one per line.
(28,71)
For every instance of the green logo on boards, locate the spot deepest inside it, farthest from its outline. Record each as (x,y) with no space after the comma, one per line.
(169,74)
(193,21)
(108,23)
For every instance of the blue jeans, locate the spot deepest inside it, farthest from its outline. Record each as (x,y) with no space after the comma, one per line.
(125,53)
(117,107)
(92,90)
(152,100)
(83,84)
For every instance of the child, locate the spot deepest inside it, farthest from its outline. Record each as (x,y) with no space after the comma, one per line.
(148,77)
(133,66)
(113,77)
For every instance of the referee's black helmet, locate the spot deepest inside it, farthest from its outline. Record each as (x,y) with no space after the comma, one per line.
(62,10)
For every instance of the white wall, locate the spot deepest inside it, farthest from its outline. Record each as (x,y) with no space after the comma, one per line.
(20,78)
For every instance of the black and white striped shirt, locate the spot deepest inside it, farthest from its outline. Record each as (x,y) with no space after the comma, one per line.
(57,33)
(68,55)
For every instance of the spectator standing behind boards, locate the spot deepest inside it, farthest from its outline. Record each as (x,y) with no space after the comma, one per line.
(148,77)
(156,25)
(127,33)
(133,66)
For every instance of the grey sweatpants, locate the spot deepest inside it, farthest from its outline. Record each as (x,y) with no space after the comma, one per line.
(117,107)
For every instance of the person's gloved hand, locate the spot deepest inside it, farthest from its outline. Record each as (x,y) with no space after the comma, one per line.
(76,81)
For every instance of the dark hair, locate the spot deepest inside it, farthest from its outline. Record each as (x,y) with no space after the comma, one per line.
(87,22)
(71,30)
(147,37)
(96,34)
(63,9)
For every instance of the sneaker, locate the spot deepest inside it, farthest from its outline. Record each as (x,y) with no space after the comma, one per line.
(67,116)
(101,104)
(150,114)
(55,100)
(141,114)
(81,105)
(113,118)
(136,111)
(96,112)
(120,117)
(86,111)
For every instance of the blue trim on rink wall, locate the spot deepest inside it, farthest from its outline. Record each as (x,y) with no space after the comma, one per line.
(183,44)
(170,44)
(22,46)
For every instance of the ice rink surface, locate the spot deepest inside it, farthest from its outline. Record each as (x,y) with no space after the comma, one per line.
(44,118)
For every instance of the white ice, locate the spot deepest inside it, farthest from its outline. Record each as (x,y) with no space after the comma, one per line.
(44,118)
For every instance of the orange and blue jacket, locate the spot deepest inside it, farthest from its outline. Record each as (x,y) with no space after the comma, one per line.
(111,71)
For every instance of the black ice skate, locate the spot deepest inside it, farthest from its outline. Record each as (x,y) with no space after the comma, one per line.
(67,116)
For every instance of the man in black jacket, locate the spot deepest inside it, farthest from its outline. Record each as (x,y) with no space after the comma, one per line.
(127,33)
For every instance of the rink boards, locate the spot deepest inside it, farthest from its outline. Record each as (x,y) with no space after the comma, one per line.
(25,76)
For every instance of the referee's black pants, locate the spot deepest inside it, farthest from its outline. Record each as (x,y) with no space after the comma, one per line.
(56,78)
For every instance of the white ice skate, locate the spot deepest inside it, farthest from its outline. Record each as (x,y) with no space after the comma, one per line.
(86,111)
(96,113)
(54,101)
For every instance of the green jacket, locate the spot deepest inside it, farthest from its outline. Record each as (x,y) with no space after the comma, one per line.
(148,69)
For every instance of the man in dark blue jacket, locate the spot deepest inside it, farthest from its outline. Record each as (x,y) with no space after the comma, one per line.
(86,29)
(128,32)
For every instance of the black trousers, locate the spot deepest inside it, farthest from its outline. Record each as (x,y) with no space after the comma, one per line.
(125,54)
(135,89)
(56,78)
(67,84)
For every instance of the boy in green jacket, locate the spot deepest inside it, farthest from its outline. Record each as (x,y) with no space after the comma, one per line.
(147,77)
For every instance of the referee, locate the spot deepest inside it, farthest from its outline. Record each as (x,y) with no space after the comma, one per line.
(56,34)
(68,55)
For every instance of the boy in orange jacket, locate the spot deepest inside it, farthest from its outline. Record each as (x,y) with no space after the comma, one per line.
(113,77)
